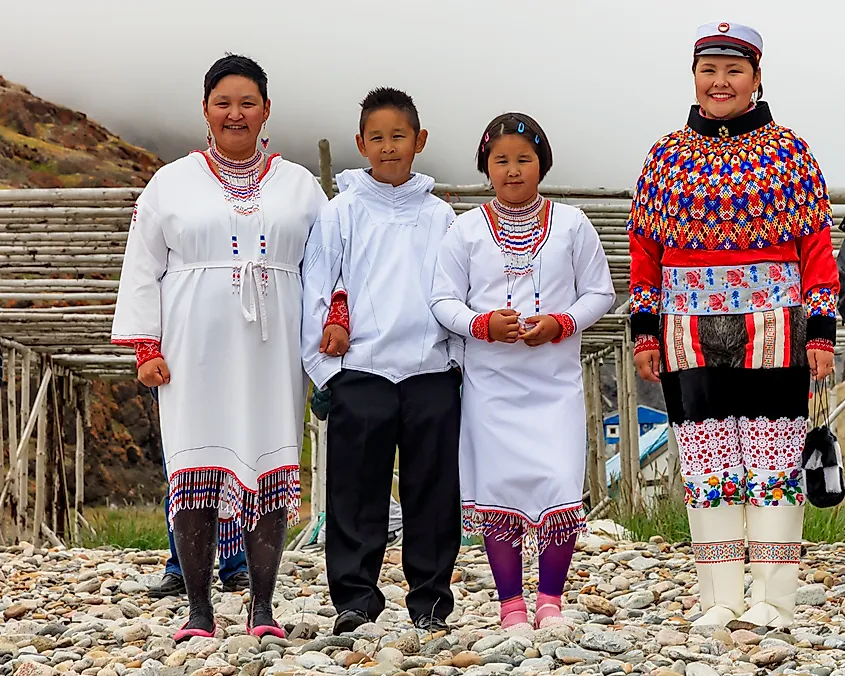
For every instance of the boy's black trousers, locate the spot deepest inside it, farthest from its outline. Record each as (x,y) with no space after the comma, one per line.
(369,417)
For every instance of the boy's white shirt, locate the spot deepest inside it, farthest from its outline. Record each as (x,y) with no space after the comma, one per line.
(379,243)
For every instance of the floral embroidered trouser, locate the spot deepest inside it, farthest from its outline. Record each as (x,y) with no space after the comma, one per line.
(736,389)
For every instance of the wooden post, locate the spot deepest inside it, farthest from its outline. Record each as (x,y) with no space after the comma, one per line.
(23,462)
(79,464)
(626,483)
(40,468)
(601,465)
(11,393)
(26,433)
(326,167)
(673,464)
(593,443)
(633,420)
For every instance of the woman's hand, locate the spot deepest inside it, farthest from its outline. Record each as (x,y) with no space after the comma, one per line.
(821,363)
(504,326)
(544,329)
(335,341)
(648,365)
(154,372)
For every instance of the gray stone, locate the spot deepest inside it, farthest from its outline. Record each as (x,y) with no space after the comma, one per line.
(488,643)
(538,664)
(811,595)
(700,669)
(642,564)
(608,642)
(574,655)
(635,600)
(132,632)
(312,660)
(611,666)
(238,643)
(317,645)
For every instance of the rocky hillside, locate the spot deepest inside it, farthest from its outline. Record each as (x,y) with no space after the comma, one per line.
(44,145)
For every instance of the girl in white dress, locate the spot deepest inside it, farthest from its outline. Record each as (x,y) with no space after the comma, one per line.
(523,428)
(211,297)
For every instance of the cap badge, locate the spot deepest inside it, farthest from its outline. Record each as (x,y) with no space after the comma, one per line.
(724,27)
(723,132)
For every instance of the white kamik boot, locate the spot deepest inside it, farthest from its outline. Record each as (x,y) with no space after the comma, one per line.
(718,540)
(774,544)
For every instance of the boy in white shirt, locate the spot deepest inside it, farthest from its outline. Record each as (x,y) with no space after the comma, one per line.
(397,384)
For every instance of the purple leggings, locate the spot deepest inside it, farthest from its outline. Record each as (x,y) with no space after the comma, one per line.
(506,564)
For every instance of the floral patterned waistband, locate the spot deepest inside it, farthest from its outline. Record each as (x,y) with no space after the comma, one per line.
(736,289)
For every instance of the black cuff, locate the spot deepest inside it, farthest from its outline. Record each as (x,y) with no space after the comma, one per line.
(645,323)
(819,326)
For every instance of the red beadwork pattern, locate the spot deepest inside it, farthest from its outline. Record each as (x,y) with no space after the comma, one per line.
(339,311)
(481,327)
(709,446)
(567,326)
(772,444)
(743,192)
(820,344)
(645,343)
(147,350)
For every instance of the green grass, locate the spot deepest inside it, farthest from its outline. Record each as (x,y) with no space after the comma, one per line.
(126,528)
(668,518)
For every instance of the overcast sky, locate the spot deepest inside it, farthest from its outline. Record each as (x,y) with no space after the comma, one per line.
(605,78)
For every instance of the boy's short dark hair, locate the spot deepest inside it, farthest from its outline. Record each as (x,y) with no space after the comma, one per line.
(234,64)
(388,97)
(515,123)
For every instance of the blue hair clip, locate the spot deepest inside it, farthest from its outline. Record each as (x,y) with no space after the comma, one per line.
(521,127)
(537,139)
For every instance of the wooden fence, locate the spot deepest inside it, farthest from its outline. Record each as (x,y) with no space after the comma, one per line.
(60,257)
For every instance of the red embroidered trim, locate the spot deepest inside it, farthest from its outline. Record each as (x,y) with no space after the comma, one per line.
(567,326)
(820,344)
(480,327)
(646,343)
(339,311)
(147,350)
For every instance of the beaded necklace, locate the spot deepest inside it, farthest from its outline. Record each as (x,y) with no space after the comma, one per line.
(519,230)
(241,182)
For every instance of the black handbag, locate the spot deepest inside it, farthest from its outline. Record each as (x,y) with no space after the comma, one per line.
(824,483)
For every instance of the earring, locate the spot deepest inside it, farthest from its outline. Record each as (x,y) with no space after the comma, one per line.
(265,137)
(754,98)
(208,136)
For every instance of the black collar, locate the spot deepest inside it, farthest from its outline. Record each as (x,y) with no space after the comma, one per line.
(760,116)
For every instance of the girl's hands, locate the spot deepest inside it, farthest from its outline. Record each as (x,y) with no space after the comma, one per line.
(542,329)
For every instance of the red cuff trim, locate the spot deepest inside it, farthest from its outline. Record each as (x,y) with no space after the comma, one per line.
(339,311)
(147,350)
(567,326)
(645,343)
(820,344)
(480,327)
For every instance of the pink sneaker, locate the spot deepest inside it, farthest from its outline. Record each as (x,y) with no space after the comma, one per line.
(186,634)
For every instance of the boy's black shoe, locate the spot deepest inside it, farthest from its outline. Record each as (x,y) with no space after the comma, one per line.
(431,624)
(348,621)
(171,585)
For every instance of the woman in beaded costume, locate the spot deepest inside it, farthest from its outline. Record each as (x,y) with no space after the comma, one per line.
(523,430)
(733,290)
(210,297)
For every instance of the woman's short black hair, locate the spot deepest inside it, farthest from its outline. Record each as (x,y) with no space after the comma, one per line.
(234,64)
(515,123)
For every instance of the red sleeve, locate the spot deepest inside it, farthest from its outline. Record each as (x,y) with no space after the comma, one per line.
(480,327)
(567,326)
(646,277)
(147,350)
(339,311)
(819,284)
